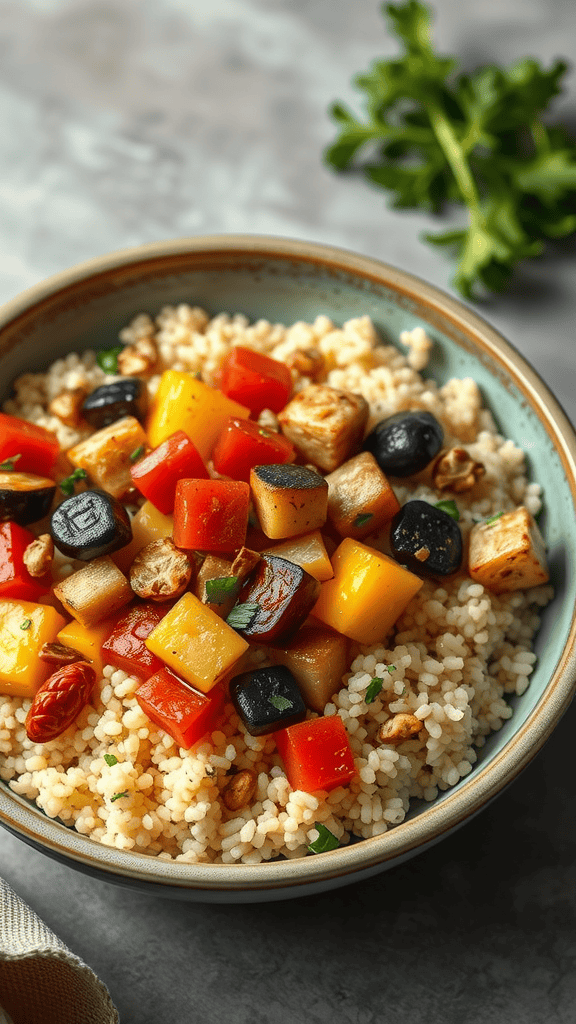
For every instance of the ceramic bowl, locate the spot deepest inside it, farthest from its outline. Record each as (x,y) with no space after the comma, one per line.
(285,280)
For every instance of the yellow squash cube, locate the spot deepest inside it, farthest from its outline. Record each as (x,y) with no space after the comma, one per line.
(367,594)
(88,640)
(24,629)
(182,402)
(196,643)
(309,551)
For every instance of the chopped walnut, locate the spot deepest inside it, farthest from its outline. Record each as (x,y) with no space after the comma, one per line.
(160,571)
(399,728)
(60,654)
(240,789)
(140,357)
(246,560)
(455,470)
(38,555)
(308,362)
(269,421)
(67,406)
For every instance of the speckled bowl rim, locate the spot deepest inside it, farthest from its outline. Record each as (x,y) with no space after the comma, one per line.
(281,878)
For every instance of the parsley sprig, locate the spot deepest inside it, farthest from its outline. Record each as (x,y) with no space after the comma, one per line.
(442,137)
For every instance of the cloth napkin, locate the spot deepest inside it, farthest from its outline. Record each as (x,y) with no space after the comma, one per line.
(41,981)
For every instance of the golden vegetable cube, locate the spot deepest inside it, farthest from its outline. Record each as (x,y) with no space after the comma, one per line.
(288,500)
(94,592)
(308,551)
(107,455)
(196,643)
(360,498)
(182,402)
(147,525)
(325,424)
(368,593)
(508,553)
(88,640)
(24,629)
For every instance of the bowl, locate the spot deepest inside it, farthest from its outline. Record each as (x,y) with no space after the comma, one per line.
(287,280)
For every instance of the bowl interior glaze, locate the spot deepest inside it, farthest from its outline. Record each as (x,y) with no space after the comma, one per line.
(284,281)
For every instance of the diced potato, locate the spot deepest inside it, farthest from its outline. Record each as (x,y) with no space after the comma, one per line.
(88,640)
(288,500)
(107,455)
(147,525)
(94,592)
(24,629)
(508,553)
(213,567)
(196,643)
(317,658)
(325,424)
(309,551)
(182,402)
(360,498)
(367,595)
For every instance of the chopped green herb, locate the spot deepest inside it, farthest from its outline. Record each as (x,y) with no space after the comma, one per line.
(374,687)
(107,358)
(67,485)
(118,795)
(25,624)
(279,702)
(8,465)
(363,518)
(482,141)
(391,668)
(138,453)
(242,615)
(326,840)
(450,507)
(263,432)
(111,760)
(493,519)
(221,588)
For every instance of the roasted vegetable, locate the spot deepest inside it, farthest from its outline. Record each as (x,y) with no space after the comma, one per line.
(125,646)
(182,402)
(426,539)
(107,455)
(405,443)
(89,525)
(112,402)
(325,424)
(307,550)
(267,699)
(26,446)
(160,572)
(211,515)
(288,499)
(279,595)
(360,497)
(182,712)
(94,592)
(316,754)
(244,444)
(508,553)
(317,658)
(24,629)
(24,497)
(147,525)
(15,579)
(255,380)
(157,474)
(88,640)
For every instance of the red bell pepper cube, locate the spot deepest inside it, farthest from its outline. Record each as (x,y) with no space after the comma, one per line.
(316,754)
(184,713)
(125,647)
(157,474)
(37,447)
(211,515)
(15,580)
(255,380)
(244,444)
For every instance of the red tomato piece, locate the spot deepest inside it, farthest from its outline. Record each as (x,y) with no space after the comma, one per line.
(244,444)
(316,754)
(211,515)
(126,648)
(15,580)
(157,474)
(255,380)
(37,447)
(184,713)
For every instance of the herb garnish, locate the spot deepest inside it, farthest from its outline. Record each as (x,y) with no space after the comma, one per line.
(25,624)
(8,465)
(118,795)
(479,140)
(374,688)
(242,615)
(138,453)
(221,588)
(68,484)
(111,760)
(326,840)
(107,358)
(363,518)
(493,519)
(279,702)
(450,507)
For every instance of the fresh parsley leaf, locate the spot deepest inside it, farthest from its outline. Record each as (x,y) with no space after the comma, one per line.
(363,518)
(493,519)
(221,588)
(137,454)
(242,615)
(326,840)
(432,136)
(25,624)
(107,359)
(67,485)
(117,796)
(279,702)
(111,760)
(374,687)
(8,465)
(450,507)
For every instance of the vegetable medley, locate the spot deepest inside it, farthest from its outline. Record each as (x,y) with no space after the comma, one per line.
(209,522)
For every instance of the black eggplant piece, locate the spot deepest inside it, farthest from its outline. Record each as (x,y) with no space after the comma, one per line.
(267,699)
(405,443)
(426,539)
(112,402)
(274,602)
(90,524)
(24,497)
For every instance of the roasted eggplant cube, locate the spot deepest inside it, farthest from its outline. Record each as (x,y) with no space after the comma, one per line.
(112,402)
(89,525)
(360,498)
(267,699)
(508,553)
(325,424)
(279,596)
(406,442)
(288,500)
(318,658)
(426,539)
(24,497)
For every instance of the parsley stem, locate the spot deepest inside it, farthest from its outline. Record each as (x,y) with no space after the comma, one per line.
(455,156)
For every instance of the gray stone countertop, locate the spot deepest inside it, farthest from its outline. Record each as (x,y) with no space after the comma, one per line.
(126,121)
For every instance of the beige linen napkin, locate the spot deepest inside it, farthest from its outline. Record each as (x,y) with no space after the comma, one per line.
(41,981)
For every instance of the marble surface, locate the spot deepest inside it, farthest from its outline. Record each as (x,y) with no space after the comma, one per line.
(125,121)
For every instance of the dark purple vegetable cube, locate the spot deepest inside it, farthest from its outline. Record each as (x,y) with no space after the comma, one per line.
(112,402)
(90,524)
(267,699)
(426,539)
(280,595)
(405,443)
